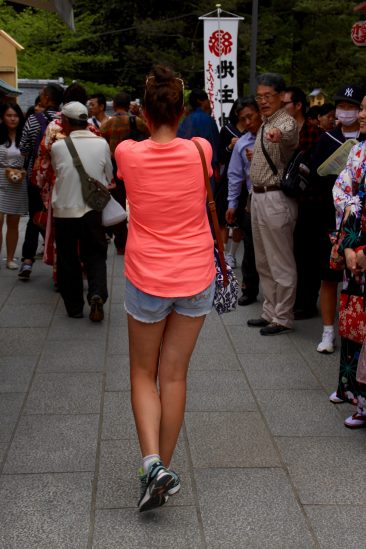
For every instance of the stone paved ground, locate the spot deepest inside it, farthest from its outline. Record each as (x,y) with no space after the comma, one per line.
(264,457)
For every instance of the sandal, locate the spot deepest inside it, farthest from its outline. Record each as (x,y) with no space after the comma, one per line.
(356,421)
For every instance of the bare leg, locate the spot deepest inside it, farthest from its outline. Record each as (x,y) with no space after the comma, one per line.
(180,336)
(159,418)
(328,301)
(12,234)
(144,344)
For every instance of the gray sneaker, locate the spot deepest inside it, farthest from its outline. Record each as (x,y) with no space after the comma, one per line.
(155,487)
(24,271)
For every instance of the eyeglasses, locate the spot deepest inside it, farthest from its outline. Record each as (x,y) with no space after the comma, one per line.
(287,102)
(265,97)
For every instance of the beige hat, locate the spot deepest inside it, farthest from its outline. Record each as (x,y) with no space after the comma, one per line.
(75,111)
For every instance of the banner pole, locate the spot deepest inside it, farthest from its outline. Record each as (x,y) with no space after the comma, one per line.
(253,47)
(220,75)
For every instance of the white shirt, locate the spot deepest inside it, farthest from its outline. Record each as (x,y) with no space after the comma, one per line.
(94,153)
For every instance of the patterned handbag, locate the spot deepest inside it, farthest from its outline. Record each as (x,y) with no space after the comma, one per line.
(226,296)
(352,312)
(227,285)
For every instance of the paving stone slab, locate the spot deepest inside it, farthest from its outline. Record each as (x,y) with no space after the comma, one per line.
(213,341)
(324,367)
(77,328)
(15,373)
(118,373)
(249,341)
(326,470)
(260,512)
(118,341)
(65,393)
(216,391)
(285,371)
(36,290)
(118,422)
(44,511)
(300,413)
(165,528)
(72,356)
(119,484)
(230,439)
(118,315)
(214,361)
(62,443)
(21,341)
(3,448)
(338,526)
(36,316)
(10,405)
(241,315)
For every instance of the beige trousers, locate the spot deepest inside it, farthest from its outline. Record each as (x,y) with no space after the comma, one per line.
(273,222)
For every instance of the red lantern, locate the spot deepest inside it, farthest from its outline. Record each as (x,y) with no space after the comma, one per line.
(358,33)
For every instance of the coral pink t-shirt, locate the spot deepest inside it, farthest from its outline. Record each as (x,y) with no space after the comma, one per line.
(169,250)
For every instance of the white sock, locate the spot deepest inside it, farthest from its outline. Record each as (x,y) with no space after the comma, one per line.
(328,329)
(234,248)
(148,460)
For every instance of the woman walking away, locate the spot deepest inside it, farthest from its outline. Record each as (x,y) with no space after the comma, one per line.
(13,188)
(170,273)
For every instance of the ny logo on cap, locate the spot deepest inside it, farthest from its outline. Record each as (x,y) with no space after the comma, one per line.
(348,92)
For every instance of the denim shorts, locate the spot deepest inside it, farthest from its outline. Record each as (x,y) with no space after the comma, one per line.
(150,308)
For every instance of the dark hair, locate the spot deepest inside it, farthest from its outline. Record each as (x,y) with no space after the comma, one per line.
(75,92)
(249,101)
(196,97)
(313,112)
(164,98)
(4,132)
(122,100)
(238,106)
(55,92)
(298,96)
(325,109)
(273,80)
(101,99)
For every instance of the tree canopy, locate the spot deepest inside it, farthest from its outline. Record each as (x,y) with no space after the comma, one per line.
(117,42)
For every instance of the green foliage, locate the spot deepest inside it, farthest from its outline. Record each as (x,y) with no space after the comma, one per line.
(117,42)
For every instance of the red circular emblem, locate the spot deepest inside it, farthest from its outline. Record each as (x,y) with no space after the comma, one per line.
(220,43)
(358,33)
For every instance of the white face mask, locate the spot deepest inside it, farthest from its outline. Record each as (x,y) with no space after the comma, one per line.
(347,118)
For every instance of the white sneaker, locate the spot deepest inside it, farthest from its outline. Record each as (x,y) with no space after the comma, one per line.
(230,260)
(327,343)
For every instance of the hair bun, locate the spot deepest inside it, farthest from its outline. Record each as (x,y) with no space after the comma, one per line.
(162,74)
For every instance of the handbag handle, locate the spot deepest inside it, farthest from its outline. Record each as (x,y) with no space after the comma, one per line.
(215,221)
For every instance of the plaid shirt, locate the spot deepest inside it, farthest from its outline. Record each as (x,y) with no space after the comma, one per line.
(261,173)
(117,128)
(309,136)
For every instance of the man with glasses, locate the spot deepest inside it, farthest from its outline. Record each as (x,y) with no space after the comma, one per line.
(273,214)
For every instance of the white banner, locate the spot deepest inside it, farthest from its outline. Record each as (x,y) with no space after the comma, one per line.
(220,49)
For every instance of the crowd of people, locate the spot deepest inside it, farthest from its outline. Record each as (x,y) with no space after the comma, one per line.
(149,158)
